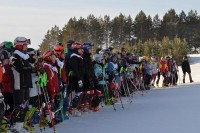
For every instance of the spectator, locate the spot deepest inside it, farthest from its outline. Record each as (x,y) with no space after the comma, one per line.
(186,68)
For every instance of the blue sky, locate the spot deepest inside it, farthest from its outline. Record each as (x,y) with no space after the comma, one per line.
(32,18)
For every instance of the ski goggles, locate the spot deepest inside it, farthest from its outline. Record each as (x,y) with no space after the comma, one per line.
(22,40)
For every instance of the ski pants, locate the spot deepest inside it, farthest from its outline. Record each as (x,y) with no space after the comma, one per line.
(21,95)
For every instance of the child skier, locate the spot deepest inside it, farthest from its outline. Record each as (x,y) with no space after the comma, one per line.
(154,65)
(62,101)
(7,80)
(147,72)
(51,71)
(100,74)
(186,68)
(89,80)
(162,70)
(22,80)
(113,72)
(76,73)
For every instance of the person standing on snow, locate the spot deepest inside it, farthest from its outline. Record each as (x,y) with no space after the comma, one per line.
(76,74)
(22,70)
(186,68)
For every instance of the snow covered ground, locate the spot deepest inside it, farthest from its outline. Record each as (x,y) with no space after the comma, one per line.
(164,110)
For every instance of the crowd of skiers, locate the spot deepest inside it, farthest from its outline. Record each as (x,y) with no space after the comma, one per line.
(46,88)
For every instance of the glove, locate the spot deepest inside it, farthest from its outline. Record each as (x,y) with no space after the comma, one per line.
(12,60)
(80,83)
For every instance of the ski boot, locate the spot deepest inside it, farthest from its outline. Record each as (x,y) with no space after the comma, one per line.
(43,123)
(27,120)
(3,128)
(109,101)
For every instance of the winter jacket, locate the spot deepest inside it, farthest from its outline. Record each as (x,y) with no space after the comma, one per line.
(76,71)
(76,67)
(63,74)
(89,79)
(170,65)
(154,67)
(113,70)
(52,79)
(100,73)
(22,70)
(7,81)
(186,66)
(147,68)
(174,67)
(163,66)
(67,63)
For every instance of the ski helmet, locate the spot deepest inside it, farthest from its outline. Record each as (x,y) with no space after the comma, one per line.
(87,46)
(8,45)
(106,51)
(98,58)
(20,41)
(4,54)
(69,43)
(59,49)
(31,52)
(113,56)
(76,46)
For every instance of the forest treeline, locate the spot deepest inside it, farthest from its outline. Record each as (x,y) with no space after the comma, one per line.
(174,34)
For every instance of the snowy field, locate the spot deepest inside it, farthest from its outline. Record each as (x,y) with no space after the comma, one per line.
(163,110)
